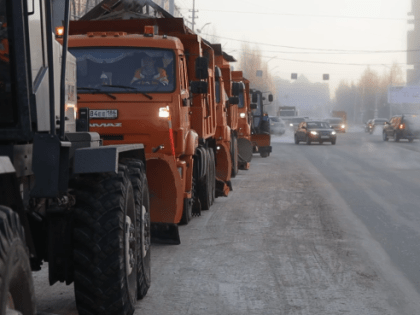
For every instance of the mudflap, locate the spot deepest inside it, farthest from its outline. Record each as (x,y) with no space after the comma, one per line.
(196,208)
(222,188)
(165,233)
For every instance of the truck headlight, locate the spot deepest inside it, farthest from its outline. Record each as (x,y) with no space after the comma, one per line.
(333,133)
(343,126)
(291,125)
(242,115)
(164,112)
(314,133)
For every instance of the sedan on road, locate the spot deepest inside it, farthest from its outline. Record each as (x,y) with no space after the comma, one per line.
(375,122)
(293,122)
(406,126)
(337,124)
(277,125)
(315,131)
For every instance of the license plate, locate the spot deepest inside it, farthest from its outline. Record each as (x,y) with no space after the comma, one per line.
(325,137)
(103,113)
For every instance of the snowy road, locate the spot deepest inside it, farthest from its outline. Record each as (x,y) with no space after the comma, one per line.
(317,229)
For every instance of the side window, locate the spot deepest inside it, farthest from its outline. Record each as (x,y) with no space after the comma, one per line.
(182,73)
(36,36)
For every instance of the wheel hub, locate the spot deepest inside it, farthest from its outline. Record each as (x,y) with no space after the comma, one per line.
(10,307)
(145,233)
(130,243)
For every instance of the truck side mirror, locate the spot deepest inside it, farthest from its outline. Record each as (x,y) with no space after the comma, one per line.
(237,88)
(253,106)
(217,73)
(201,68)
(233,100)
(254,98)
(270,98)
(199,87)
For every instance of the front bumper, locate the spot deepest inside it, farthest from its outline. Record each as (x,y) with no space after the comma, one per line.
(319,138)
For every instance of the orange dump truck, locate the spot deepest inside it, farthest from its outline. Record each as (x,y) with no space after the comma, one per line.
(228,103)
(260,133)
(223,61)
(245,148)
(152,81)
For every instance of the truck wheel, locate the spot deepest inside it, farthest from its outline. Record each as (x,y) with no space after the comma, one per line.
(264,154)
(308,140)
(205,186)
(141,197)
(106,243)
(213,175)
(296,140)
(234,153)
(384,136)
(396,137)
(17,290)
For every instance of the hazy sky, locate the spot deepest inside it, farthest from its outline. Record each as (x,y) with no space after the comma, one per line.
(345,27)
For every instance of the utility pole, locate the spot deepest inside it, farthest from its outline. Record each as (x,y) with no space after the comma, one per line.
(193,15)
(172,7)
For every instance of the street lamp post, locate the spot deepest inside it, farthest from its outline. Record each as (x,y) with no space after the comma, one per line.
(201,29)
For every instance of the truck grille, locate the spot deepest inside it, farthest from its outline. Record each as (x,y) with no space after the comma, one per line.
(112,137)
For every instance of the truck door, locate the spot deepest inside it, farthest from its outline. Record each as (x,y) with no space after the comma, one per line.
(7,115)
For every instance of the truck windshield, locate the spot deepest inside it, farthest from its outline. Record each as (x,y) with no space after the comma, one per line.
(128,70)
(241,100)
(6,109)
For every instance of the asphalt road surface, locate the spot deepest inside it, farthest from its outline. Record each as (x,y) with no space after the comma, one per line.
(317,229)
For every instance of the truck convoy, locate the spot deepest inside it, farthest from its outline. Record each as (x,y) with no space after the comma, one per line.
(139,106)
(145,70)
(65,199)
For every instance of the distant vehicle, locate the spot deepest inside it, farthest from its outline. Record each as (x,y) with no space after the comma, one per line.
(340,114)
(368,125)
(375,122)
(315,131)
(277,125)
(293,122)
(405,126)
(338,124)
(287,111)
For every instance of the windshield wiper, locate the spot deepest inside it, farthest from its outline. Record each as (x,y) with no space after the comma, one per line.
(96,90)
(132,88)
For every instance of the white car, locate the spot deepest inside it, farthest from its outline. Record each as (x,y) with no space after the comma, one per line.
(277,125)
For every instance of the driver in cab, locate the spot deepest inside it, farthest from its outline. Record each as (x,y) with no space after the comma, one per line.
(149,73)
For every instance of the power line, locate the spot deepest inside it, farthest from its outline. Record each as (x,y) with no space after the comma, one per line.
(324,62)
(316,49)
(312,15)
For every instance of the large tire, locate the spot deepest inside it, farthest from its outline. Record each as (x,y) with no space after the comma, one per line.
(333,142)
(205,185)
(141,196)
(234,153)
(296,140)
(16,285)
(308,140)
(396,137)
(106,246)
(213,175)
(384,136)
